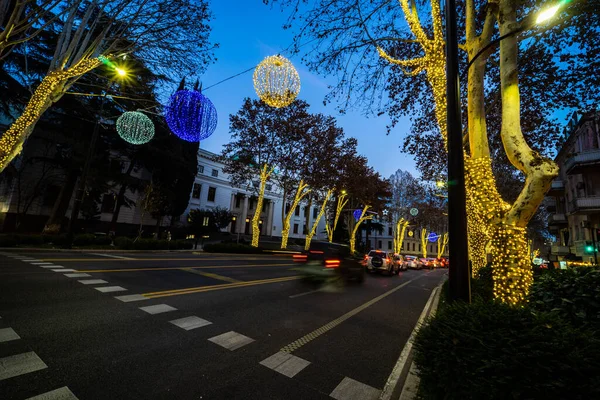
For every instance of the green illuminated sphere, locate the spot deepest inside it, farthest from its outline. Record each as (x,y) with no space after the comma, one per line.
(135,127)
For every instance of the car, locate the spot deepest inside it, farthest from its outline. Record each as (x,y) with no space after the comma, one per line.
(430,263)
(327,262)
(443,262)
(379,260)
(399,260)
(412,262)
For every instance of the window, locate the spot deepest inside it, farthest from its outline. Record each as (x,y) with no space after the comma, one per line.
(238,200)
(297,211)
(287,208)
(315,213)
(200,169)
(251,204)
(108,203)
(196,191)
(413,247)
(379,244)
(212,193)
(304,231)
(418,246)
(389,244)
(264,205)
(205,221)
(269,187)
(295,228)
(50,195)
(390,230)
(215,173)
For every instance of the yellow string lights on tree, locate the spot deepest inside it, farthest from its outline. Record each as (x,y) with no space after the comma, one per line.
(276,81)
(341,203)
(265,173)
(363,217)
(424,242)
(301,191)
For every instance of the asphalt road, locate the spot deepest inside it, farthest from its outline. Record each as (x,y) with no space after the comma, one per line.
(196,326)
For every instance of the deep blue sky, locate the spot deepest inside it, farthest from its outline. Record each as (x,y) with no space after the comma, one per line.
(247,31)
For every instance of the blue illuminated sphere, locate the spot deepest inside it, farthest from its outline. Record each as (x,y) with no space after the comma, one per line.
(191,115)
(357,214)
(432,237)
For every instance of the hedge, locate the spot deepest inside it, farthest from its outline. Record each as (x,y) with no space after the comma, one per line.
(126,243)
(231,248)
(489,350)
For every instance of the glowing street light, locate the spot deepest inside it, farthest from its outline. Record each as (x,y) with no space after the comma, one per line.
(547,14)
(121,71)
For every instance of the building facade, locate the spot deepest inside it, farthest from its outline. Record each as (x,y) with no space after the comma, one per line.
(574,197)
(213,188)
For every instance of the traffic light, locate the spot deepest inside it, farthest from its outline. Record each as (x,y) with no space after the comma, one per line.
(589,248)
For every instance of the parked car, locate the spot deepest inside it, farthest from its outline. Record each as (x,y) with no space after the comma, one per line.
(326,262)
(412,262)
(430,263)
(379,260)
(443,262)
(399,260)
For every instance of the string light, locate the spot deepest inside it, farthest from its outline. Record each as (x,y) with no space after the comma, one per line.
(313,230)
(424,242)
(265,173)
(442,245)
(400,230)
(341,203)
(135,127)
(301,191)
(191,115)
(363,217)
(11,142)
(276,81)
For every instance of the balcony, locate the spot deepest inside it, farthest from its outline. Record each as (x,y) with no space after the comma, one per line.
(557,188)
(550,204)
(560,250)
(584,205)
(580,161)
(557,219)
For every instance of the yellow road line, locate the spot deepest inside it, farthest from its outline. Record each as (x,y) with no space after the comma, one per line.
(210,275)
(327,327)
(202,289)
(170,268)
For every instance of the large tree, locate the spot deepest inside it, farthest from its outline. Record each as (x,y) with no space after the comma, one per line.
(398,47)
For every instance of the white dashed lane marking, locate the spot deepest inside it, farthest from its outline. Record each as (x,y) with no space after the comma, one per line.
(77,275)
(231,340)
(109,289)
(158,309)
(8,334)
(64,270)
(92,281)
(20,364)
(131,297)
(285,363)
(41,263)
(59,394)
(189,323)
(50,266)
(349,389)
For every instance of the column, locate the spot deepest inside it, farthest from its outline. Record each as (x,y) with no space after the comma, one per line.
(243,216)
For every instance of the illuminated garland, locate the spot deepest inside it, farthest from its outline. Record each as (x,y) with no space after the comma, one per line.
(276,81)
(135,127)
(341,203)
(50,89)
(301,191)
(313,230)
(441,246)
(400,230)
(191,116)
(363,217)
(424,242)
(265,172)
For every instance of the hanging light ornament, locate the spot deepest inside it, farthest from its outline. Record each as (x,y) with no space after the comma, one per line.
(135,127)
(276,81)
(191,115)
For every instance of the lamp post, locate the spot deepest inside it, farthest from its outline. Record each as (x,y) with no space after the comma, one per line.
(80,192)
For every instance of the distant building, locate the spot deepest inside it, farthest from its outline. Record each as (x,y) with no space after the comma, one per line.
(574,198)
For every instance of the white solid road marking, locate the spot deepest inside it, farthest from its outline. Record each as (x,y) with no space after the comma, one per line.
(77,275)
(64,270)
(20,364)
(131,297)
(304,293)
(111,256)
(92,281)
(158,309)
(59,394)
(8,334)
(349,389)
(189,323)
(285,363)
(109,289)
(231,340)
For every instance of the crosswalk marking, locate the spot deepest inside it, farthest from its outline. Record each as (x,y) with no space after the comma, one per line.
(285,363)
(20,364)
(349,389)
(92,281)
(189,323)
(231,340)
(131,297)
(8,334)
(110,289)
(158,309)
(64,270)
(62,393)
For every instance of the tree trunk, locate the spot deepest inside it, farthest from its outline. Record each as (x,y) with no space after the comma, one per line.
(315,225)
(48,92)
(61,204)
(300,193)
(362,218)
(120,199)
(264,176)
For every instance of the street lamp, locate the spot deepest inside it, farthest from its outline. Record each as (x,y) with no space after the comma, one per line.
(79,194)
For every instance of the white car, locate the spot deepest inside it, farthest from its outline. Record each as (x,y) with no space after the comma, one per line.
(412,262)
(379,260)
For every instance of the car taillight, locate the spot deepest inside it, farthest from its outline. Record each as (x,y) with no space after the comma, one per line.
(315,252)
(332,263)
(300,257)
(366,257)
(388,259)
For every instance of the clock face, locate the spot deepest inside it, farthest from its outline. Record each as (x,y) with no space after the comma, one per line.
(410,233)
(414,212)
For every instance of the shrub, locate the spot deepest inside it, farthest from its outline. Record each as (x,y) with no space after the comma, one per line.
(124,243)
(482,286)
(231,248)
(85,239)
(102,240)
(574,294)
(8,241)
(29,240)
(488,350)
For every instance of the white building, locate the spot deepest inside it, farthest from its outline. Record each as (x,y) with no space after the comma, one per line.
(212,188)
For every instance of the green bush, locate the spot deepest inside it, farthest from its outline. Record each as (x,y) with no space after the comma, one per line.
(231,248)
(30,240)
(482,287)
(574,294)
(85,239)
(8,241)
(102,240)
(124,243)
(488,350)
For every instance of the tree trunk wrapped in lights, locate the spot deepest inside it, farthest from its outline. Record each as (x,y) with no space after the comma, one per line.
(399,232)
(441,245)
(341,203)
(315,225)
(300,193)
(424,242)
(265,173)
(363,217)
(49,91)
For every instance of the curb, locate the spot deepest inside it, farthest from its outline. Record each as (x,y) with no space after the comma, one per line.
(403,382)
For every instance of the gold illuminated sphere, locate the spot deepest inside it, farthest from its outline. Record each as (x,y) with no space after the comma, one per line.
(276,81)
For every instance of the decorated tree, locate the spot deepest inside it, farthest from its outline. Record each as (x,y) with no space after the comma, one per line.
(406,192)
(398,48)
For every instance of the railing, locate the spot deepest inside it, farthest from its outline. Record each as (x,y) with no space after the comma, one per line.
(558,218)
(586,203)
(587,157)
(557,184)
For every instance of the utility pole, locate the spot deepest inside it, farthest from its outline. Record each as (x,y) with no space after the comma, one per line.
(459,271)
